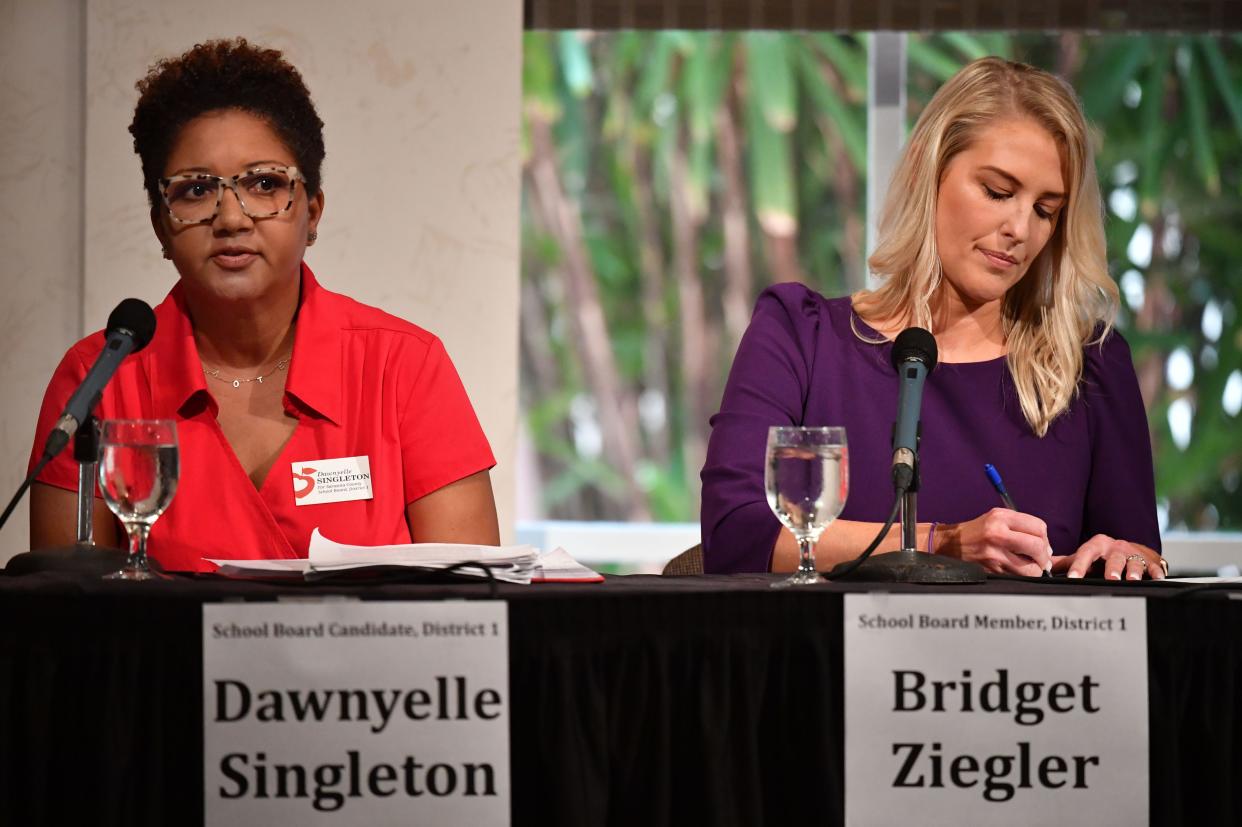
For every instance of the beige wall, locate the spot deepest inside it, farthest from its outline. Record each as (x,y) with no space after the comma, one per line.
(421,104)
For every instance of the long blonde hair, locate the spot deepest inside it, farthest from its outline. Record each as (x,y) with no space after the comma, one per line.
(1051,314)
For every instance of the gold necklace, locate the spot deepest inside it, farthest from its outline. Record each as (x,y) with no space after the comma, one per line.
(214,373)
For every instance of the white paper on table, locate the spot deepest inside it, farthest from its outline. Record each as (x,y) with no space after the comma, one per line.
(512,564)
(558,566)
(1192,580)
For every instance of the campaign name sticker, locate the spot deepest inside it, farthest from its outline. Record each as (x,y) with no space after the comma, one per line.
(356,713)
(332,480)
(993,709)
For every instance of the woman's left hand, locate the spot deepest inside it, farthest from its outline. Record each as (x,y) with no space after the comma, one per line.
(1122,560)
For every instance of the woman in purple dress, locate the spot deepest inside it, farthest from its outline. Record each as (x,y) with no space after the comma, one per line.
(992,239)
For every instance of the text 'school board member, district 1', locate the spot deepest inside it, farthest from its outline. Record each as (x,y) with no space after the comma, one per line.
(232,150)
(992,239)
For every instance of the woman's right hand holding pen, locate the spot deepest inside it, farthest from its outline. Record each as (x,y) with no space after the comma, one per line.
(1001,540)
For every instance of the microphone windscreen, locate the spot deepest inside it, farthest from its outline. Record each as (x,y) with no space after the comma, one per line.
(136,317)
(914,343)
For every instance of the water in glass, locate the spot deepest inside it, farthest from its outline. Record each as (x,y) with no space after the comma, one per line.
(139,480)
(807,481)
(138,470)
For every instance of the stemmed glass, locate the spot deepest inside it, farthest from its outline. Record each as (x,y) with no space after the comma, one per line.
(138,469)
(807,480)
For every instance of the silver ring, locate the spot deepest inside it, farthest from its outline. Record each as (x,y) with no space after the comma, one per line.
(1138,557)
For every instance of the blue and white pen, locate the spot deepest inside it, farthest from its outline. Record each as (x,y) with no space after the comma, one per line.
(994,477)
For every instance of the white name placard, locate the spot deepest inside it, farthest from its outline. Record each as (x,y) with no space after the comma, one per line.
(331,480)
(991,709)
(356,713)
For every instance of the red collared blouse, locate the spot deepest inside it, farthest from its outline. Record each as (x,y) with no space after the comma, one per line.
(361,383)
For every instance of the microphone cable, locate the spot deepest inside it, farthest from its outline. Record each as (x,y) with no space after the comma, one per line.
(846,569)
(38,469)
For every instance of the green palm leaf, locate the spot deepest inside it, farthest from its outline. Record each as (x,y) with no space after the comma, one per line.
(539,73)
(575,63)
(769,119)
(970,47)
(1197,117)
(1103,85)
(849,123)
(1155,138)
(706,73)
(847,58)
(768,69)
(931,60)
(1226,87)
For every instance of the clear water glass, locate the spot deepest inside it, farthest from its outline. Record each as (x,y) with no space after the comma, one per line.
(138,470)
(806,475)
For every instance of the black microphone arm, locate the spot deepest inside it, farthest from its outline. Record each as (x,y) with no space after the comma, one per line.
(914,356)
(130,328)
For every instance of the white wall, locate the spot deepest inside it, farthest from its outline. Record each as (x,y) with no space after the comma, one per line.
(41,140)
(421,105)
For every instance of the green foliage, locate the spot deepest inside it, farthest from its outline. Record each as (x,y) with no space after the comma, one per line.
(1169,113)
(837,113)
(640,124)
(1111,70)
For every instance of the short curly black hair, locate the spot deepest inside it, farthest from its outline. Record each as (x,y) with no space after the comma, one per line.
(224,74)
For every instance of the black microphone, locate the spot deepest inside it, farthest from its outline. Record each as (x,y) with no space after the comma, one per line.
(914,356)
(130,328)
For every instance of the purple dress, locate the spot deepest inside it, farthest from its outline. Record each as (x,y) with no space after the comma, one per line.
(800,363)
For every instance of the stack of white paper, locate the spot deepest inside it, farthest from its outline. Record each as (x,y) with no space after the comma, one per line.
(512,564)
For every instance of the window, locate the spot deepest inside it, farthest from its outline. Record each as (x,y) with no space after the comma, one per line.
(670,175)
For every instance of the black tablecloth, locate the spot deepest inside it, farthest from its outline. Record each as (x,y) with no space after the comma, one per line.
(642,700)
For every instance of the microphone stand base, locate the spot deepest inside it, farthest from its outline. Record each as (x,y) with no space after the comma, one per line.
(82,558)
(910,566)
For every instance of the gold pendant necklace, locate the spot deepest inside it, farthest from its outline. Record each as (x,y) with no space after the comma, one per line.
(214,373)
